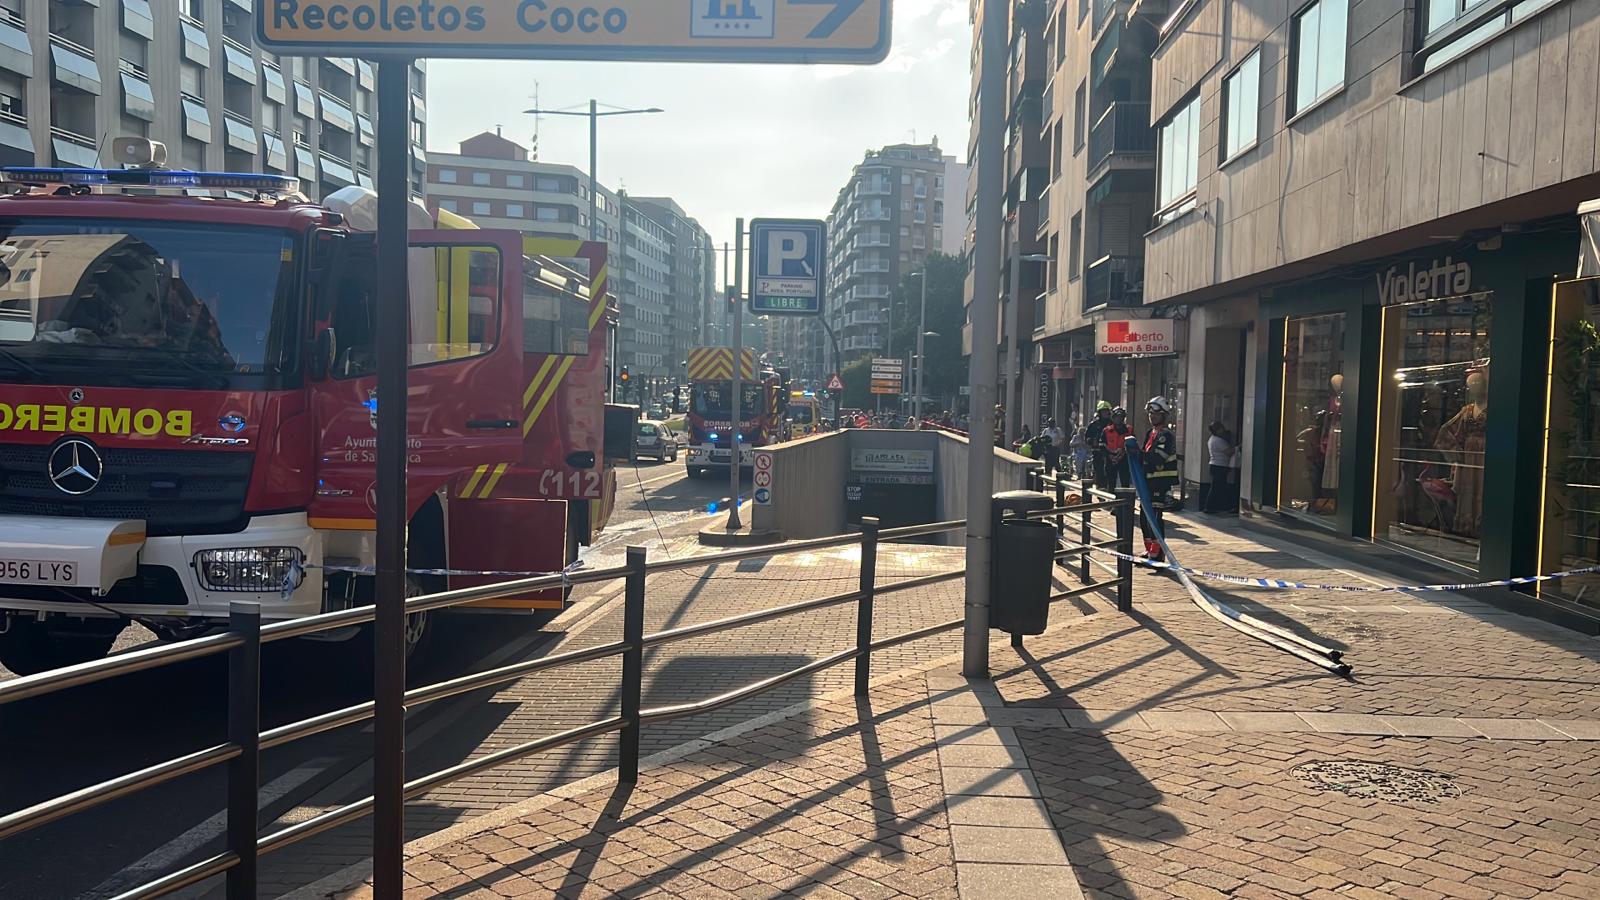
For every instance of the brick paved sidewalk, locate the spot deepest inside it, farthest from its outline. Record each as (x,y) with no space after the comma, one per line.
(1152,755)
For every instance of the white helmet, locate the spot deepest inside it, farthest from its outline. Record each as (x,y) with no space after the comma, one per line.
(1159,403)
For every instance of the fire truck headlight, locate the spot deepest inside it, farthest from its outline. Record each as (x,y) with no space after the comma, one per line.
(712,437)
(254,569)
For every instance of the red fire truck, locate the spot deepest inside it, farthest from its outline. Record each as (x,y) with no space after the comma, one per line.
(764,399)
(188,405)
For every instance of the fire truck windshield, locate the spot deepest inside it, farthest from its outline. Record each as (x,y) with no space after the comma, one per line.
(714,400)
(120,301)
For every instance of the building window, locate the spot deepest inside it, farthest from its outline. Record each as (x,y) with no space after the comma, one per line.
(1075,251)
(1180,153)
(1080,115)
(1311,443)
(480,178)
(1443,44)
(447,176)
(448,205)
(1316,52)
(480,207)
(515,211)
(1433,422)
(1241,104)
(547,214)
(516,181)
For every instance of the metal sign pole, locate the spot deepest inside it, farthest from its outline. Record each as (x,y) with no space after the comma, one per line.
(985,324)
(736,310)
(389,653)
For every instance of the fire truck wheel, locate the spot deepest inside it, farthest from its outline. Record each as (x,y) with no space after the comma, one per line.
(29,647)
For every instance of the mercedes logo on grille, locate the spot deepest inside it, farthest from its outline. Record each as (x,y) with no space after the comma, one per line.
(75,466)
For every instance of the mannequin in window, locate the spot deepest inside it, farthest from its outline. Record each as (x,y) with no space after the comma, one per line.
(1332,422)
(1462,440)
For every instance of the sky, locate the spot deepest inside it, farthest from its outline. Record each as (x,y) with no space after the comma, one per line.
(735,140)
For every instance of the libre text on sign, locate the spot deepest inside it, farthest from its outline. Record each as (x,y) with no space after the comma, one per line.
(786,269)
(776,31)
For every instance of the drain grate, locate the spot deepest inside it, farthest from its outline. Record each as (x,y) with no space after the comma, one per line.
(1379,781)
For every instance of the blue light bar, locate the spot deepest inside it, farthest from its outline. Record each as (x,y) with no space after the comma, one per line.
(154,178)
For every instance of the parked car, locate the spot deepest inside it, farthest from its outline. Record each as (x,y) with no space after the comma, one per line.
(656,440)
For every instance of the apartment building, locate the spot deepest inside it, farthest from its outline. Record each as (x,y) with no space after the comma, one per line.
(644,337)
(491,181)
(691,265)
(1360,211)
(888,215)
(186,73)
(1080,189)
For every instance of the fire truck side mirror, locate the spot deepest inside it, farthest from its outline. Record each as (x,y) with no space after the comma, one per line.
(323,248)
(323,349)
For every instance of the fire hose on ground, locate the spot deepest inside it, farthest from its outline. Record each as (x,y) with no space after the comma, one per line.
(1272,635)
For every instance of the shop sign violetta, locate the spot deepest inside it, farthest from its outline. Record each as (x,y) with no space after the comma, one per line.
(1446,279)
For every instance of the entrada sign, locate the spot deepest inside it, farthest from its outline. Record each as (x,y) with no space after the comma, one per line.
(775,31)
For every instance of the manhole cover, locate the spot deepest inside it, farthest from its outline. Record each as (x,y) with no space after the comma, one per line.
(1379,781)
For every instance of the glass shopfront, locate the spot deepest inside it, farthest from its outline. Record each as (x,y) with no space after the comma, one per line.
(1313,413)
(1571,508)
(1433,419)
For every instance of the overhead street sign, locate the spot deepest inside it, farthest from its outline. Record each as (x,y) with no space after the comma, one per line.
(786,268)
(742,31)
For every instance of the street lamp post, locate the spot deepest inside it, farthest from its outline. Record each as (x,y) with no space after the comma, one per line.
(593,113)
(922,331)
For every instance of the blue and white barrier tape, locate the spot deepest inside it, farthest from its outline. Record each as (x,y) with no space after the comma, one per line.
(1280,584)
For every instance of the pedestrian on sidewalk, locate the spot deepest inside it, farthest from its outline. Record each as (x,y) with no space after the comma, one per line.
(1158,456)
(1080,453)
(1095,435)
(1222,452)
(1115,439)
(1052,449)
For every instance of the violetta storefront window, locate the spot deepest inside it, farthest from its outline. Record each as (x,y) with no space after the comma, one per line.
(1433,420)
(1313,415)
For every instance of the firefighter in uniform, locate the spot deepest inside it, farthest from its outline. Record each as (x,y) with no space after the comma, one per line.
(1159,456)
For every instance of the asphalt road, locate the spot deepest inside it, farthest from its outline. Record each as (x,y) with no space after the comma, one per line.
(76,738)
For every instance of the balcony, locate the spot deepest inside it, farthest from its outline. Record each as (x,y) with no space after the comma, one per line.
(238,132)
(240,65)
(73,65)
(337,113)
(875,187)
(1122,138)
(870,292)
(1104,12)
(864,317)
(16,52)
(1112,282)
(73,149)
(863,342)
(873,214)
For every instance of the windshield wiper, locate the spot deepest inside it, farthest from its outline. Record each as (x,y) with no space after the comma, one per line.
(20,363)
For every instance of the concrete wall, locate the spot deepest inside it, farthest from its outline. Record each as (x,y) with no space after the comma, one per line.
(802,503)
(808,478)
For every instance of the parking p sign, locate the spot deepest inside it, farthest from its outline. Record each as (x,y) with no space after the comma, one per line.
(786,271)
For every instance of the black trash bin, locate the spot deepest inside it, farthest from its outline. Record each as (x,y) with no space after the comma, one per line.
(1020,563)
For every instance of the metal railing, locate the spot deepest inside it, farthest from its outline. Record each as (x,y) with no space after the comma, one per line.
(1113,281)
(1119,538)
(242,642)
(1122,130)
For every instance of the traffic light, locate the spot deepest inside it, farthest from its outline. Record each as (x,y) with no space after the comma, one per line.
(624,377)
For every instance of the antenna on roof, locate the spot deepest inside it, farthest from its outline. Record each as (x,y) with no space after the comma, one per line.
(536,118)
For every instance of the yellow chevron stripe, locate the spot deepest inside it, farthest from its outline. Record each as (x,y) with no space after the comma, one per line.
(493,480)
(477,475)
(538,377)
(549,391)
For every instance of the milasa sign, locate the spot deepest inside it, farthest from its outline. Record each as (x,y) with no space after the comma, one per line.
(1126,337)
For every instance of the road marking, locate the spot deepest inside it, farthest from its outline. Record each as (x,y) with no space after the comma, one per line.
(164,858)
